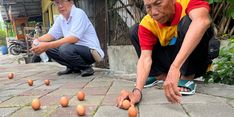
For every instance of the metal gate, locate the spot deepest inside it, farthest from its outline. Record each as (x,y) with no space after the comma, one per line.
(112,20)
(96,11)
(122,15)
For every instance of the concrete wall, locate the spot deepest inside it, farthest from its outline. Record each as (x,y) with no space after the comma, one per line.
(122,58)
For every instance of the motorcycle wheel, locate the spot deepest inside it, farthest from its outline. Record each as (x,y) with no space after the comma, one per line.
(35,59)
(15,49)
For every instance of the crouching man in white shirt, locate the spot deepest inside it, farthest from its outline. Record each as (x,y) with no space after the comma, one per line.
(72,40)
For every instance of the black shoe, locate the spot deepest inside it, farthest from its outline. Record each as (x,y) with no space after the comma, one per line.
(67,71)
(87,72)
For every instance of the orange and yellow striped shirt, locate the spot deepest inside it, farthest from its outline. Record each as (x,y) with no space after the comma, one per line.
(150,31)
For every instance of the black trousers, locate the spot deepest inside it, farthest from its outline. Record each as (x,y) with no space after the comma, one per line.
(162,57)
(76,57)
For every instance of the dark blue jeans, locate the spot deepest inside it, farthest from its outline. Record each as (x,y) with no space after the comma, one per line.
(162,57)
(76,57)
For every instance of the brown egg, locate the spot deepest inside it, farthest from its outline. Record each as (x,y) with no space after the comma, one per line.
(80,110)
(10,75)
(132,112)
(80,95)
(36,104)
(47,82)
(64,101)
(126,104)
(30,82)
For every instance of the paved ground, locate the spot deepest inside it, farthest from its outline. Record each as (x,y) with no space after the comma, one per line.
(101,91)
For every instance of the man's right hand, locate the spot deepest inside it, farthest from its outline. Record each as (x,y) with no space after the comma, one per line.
(133,97)
(123,95)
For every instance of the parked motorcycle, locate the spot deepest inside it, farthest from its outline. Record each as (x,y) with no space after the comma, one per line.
(17,46)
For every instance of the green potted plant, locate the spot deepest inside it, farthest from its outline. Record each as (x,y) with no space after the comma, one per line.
(3,43)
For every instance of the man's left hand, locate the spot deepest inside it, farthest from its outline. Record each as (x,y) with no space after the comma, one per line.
(170,85)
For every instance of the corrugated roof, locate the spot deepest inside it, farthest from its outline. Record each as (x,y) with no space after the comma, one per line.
(20,8)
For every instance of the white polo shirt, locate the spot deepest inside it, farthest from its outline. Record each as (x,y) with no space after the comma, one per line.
(77,25)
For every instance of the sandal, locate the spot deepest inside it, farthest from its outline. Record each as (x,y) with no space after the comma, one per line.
(188,84)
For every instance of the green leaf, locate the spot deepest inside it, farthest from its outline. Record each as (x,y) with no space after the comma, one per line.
(210,1)
(232,15)
(218,1)
(230,11)
(224,66)
(230,1)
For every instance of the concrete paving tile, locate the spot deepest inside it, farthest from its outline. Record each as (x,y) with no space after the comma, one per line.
(98,73)
(11,93)
(29,112)
(36,92)
(3,74)
(49,76)
(110,100)
(5,112)
(79,80)
(36,83)
(68,79)
(52,77)
(61,92)
(216,90)
(32,77)
(208,110)
(120,83)
(162,110)
(18,101)
(4,98)
(117,90)
(153,96)
(89,100)
(11,81)
(110,111)
(73,85)
(101,91)
(231,103)
(50,100)
(89,78)
(124,76)
(202,98)
(59,81)
(95,90)
(51,86)
(10,86)
(99,84)
(70,111)
(28,74)
(68,76)
(104,79)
